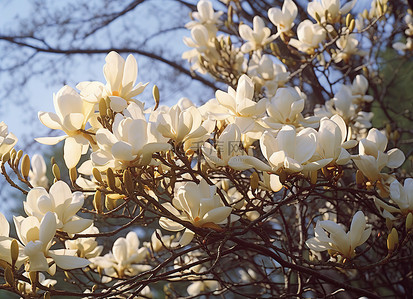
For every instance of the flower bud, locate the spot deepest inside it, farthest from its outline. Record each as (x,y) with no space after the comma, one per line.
(14,251)
(254,180)
(73,175)
(97,201)
(97,175)
(25,166)
(111,179)
(5,157)
(102,107)
(128,181)
(9,277)
(156,96)
(56,171)
(352,25)
(349,17)
(409,221)
(392,240)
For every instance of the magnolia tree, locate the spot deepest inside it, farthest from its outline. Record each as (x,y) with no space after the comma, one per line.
(256,193)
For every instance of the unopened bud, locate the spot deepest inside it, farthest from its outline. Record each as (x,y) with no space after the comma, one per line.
(349,17)
(156,96)
(128,181)
(97,175)
(25,166)
(352,26)
(230,14)
(365,14)
(102,107)
(409,221)
(14,251)
(379,8)
(33,279)
(97,201)
(254,180)
(392,240)
(217,44)
(111,179)
(46,295)
(5,157)
(56,171)
(359,178)
(19,155)
(73,175)
(8,276)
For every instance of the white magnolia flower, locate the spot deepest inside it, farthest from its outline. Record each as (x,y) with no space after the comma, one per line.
(133,141)
(201,43)
(290,151)
(198,204)
(372,157)
(283,19)
(331,236)
(285,108)
(61,202)
(333,8)
(344,105)
(359,89)
(256,37)
(85,247)
(402,196)
(241,108)
(37,174)
(227,146)
(72,114)
(125,260)
(347,47)
(184,125)
(37,237)
(205,16)
(268,74)
(120,85)
(7,140)
(309,37)
(331,141)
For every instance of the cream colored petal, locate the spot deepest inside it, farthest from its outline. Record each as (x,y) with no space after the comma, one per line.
(72,152)
(396,158)
(4,226)
(170,225)
(186,238)
(130,71)
(113,70)
(50,140)
(77,226)
(217,215)
(47,228)
(50,120)
(67,262)
(357,227)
